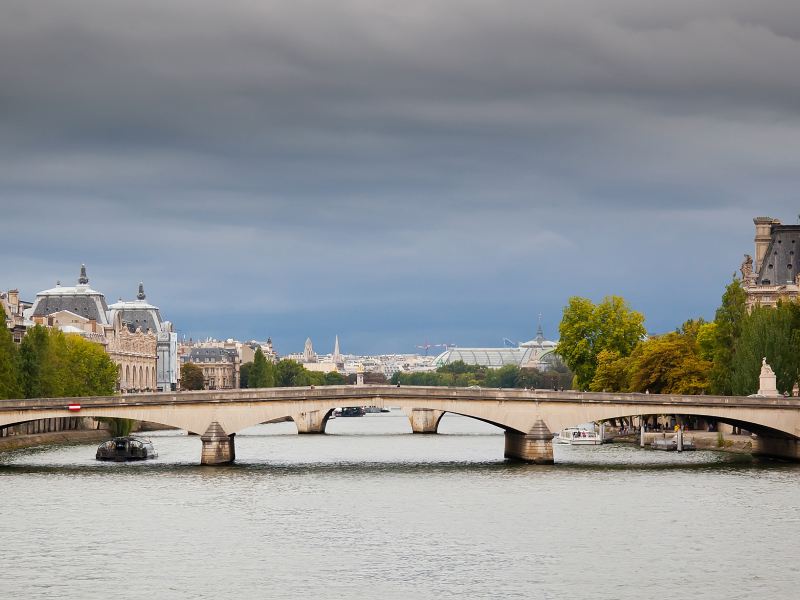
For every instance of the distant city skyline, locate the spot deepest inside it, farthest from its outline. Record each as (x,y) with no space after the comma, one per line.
(395,173)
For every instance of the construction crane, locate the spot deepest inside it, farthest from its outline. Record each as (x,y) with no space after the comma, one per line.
(426,346)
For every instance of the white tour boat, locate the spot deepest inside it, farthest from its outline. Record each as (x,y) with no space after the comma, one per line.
(578,437)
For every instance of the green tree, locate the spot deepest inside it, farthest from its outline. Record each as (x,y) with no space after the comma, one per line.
(244,375)
(88,370)
(334,378)
(10,385)
(587,329)
(191,377)
(611,374)
(728,320)
(770,333)
(707,340)
(669,364)
(504,377)
(291,373)
(315,377)
(262,372)
(42,354)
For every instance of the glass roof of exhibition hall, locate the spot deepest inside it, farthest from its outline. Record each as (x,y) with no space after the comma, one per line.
(487,357)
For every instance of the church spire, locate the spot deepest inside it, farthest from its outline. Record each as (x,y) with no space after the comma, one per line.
(83,279)
(140,295)
(337,356)
(308,352)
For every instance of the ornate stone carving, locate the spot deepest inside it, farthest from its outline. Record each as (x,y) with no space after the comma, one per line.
(747,269)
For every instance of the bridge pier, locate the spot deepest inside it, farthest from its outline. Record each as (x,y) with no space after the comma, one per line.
(218,447)
(534,447)
(776,447)
(312,421)
(424,420)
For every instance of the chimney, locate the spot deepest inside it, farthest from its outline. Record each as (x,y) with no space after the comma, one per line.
(13,301)
(763,237)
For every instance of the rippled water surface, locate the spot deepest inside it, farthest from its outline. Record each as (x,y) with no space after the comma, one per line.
(371,511)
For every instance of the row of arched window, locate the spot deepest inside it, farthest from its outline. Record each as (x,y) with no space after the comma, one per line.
(138,377)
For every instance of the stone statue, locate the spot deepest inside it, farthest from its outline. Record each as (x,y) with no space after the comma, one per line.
(747,268)
(767,380)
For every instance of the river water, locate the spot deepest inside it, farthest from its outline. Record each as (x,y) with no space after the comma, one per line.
(372,511)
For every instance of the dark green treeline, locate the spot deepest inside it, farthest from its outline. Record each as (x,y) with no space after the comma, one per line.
(49,364)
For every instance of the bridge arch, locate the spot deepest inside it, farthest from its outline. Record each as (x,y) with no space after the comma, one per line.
(759,423)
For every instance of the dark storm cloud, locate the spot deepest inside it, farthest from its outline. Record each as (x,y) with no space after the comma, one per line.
(409,169)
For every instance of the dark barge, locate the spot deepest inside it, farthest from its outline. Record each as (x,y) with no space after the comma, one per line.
(126,448)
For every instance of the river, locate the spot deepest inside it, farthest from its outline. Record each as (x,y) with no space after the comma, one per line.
(371,511)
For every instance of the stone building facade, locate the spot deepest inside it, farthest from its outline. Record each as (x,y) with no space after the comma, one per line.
(138,315)
(773,274)
(13,310)
(221,366)
(80,310)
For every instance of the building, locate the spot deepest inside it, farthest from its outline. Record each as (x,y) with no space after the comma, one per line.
(773,274)
(141,315)
(13,312)
(220,366)
(536,353)
(329,363)
(81,310)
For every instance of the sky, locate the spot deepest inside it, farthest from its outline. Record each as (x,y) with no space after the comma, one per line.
(394,172)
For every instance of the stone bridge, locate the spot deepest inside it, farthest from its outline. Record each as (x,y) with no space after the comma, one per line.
(529,417)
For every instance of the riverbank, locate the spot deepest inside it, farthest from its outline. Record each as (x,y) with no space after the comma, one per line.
(703,440)
(18,442)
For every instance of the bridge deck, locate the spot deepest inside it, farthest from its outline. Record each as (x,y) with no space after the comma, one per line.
(363,394)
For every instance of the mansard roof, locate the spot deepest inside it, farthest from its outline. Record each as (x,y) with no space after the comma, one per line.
(138,313)
(212,355)
(780,264)
(81,300)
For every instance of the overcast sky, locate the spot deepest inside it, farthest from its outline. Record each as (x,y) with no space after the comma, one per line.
(394,172)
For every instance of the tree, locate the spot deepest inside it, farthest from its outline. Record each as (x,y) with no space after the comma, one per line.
(191,377)
(504,377)
(42,354)
(10,385)
(244,375)
(771,333)
(290,373)
(587,329)
(728,320)
(669,364)
(611,374)
(88,369)
(334,378)
(262,372)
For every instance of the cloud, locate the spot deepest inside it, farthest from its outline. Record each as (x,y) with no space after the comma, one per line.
(459,166)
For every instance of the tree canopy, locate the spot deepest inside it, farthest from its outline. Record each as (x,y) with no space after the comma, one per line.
(728,321)
(10,384)
(49,364)
(191,377)
(460,374)
(262,372)
(587,329)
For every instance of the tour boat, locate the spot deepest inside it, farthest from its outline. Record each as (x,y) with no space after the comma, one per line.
(126,448)
(350,411)
(578,437)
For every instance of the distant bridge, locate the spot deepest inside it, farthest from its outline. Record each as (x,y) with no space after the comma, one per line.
(529,417)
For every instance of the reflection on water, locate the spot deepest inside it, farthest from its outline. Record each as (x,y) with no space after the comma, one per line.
(370,510)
